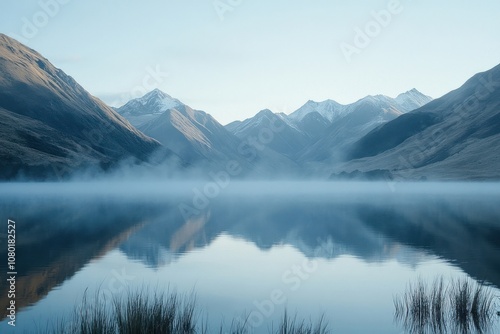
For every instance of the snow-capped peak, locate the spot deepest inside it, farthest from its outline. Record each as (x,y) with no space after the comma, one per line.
(329,109)
(412,100)
(155,93)
(332,110)
(265,113)
(160,100)
(154,102)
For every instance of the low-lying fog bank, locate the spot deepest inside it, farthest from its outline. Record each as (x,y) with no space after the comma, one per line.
(226,186)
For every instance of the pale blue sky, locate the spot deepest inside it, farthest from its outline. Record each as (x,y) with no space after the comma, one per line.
(272,54)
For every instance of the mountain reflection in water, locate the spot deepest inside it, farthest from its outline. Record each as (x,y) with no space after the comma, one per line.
(60,235)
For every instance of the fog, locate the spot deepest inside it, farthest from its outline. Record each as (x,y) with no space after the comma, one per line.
(223,185)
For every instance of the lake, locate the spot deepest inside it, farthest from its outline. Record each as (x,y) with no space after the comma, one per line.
(249,250)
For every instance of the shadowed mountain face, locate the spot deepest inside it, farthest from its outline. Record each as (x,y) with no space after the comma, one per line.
(313,125)
(50,125)
(454,137)
(192,134)
(288,139)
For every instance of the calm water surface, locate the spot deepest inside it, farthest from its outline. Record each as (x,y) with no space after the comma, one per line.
(341,251)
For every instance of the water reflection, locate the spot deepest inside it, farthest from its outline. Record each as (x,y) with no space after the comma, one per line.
(58,236)
(464,231)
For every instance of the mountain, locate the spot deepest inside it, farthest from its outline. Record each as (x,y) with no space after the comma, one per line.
(332,110)
(357,120)
(51,126)
(313,125)
(276,131)
(329,109)
(192,134)
(412,100)
(139,111)
(322,131)
(454,137)
(196,136)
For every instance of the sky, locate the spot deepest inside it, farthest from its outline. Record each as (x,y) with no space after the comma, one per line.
(233,58)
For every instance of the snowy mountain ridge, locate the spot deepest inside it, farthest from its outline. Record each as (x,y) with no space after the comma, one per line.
(155,102)
(329,109)
(332,110)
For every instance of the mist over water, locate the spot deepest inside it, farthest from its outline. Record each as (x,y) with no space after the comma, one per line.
(235,242)
(214,187)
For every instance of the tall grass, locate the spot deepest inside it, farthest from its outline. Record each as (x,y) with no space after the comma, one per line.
(292,326)
(144,311)
(461,306)
(93,319)
(139,312)
(438,310)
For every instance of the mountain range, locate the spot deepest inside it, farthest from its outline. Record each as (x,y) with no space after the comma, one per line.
(196,137)
(321,131)
(286,141)
(50,126)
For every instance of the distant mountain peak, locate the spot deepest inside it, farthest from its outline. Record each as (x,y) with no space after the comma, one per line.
(412,99)
(329,109)
(332,110)
(152,103)
(325,102)
(156,93)
(374,98)
(413,91)
(265,112)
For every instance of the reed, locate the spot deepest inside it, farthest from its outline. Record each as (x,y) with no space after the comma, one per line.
(460,306)
(145,311)
(293,326)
